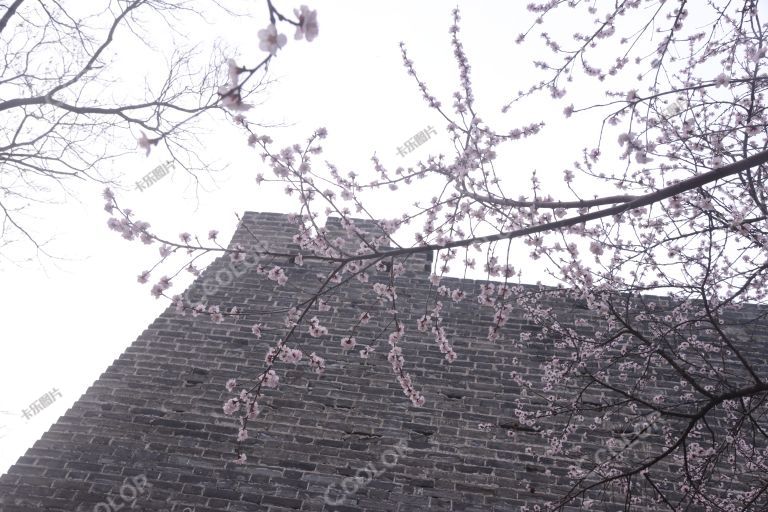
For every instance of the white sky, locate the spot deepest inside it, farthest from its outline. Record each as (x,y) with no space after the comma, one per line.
(62,322)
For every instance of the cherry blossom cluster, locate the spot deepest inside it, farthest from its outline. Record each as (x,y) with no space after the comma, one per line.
(395,358)
(666,202)
(435,320)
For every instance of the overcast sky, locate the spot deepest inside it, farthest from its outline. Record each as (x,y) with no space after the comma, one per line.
(64,320)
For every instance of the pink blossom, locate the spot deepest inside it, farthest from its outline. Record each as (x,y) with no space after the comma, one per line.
(292,317)
(161,286)
(238,254)
(233,72)
(315,329)
(231,385)
(143,277)
(178,304)
(231,100)
(216,315)
(231,406)
(317,363)
(395,336)
(270,41)
(277,274)
(256,330)
(307,24)
(418,400)
(422,324)
(290,355)
(271,379)
(348,342)
(385,291)
(721,80)
(269,358)
(145,143)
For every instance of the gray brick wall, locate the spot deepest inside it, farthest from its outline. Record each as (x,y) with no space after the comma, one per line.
(156,412)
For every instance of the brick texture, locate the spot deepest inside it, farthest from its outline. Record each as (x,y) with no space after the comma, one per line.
(156,412)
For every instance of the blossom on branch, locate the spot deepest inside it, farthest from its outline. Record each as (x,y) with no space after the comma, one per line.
(307,23)
(271,379)
(270,41)
(233,71)
(348,342)
(146,143)
(317,363)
